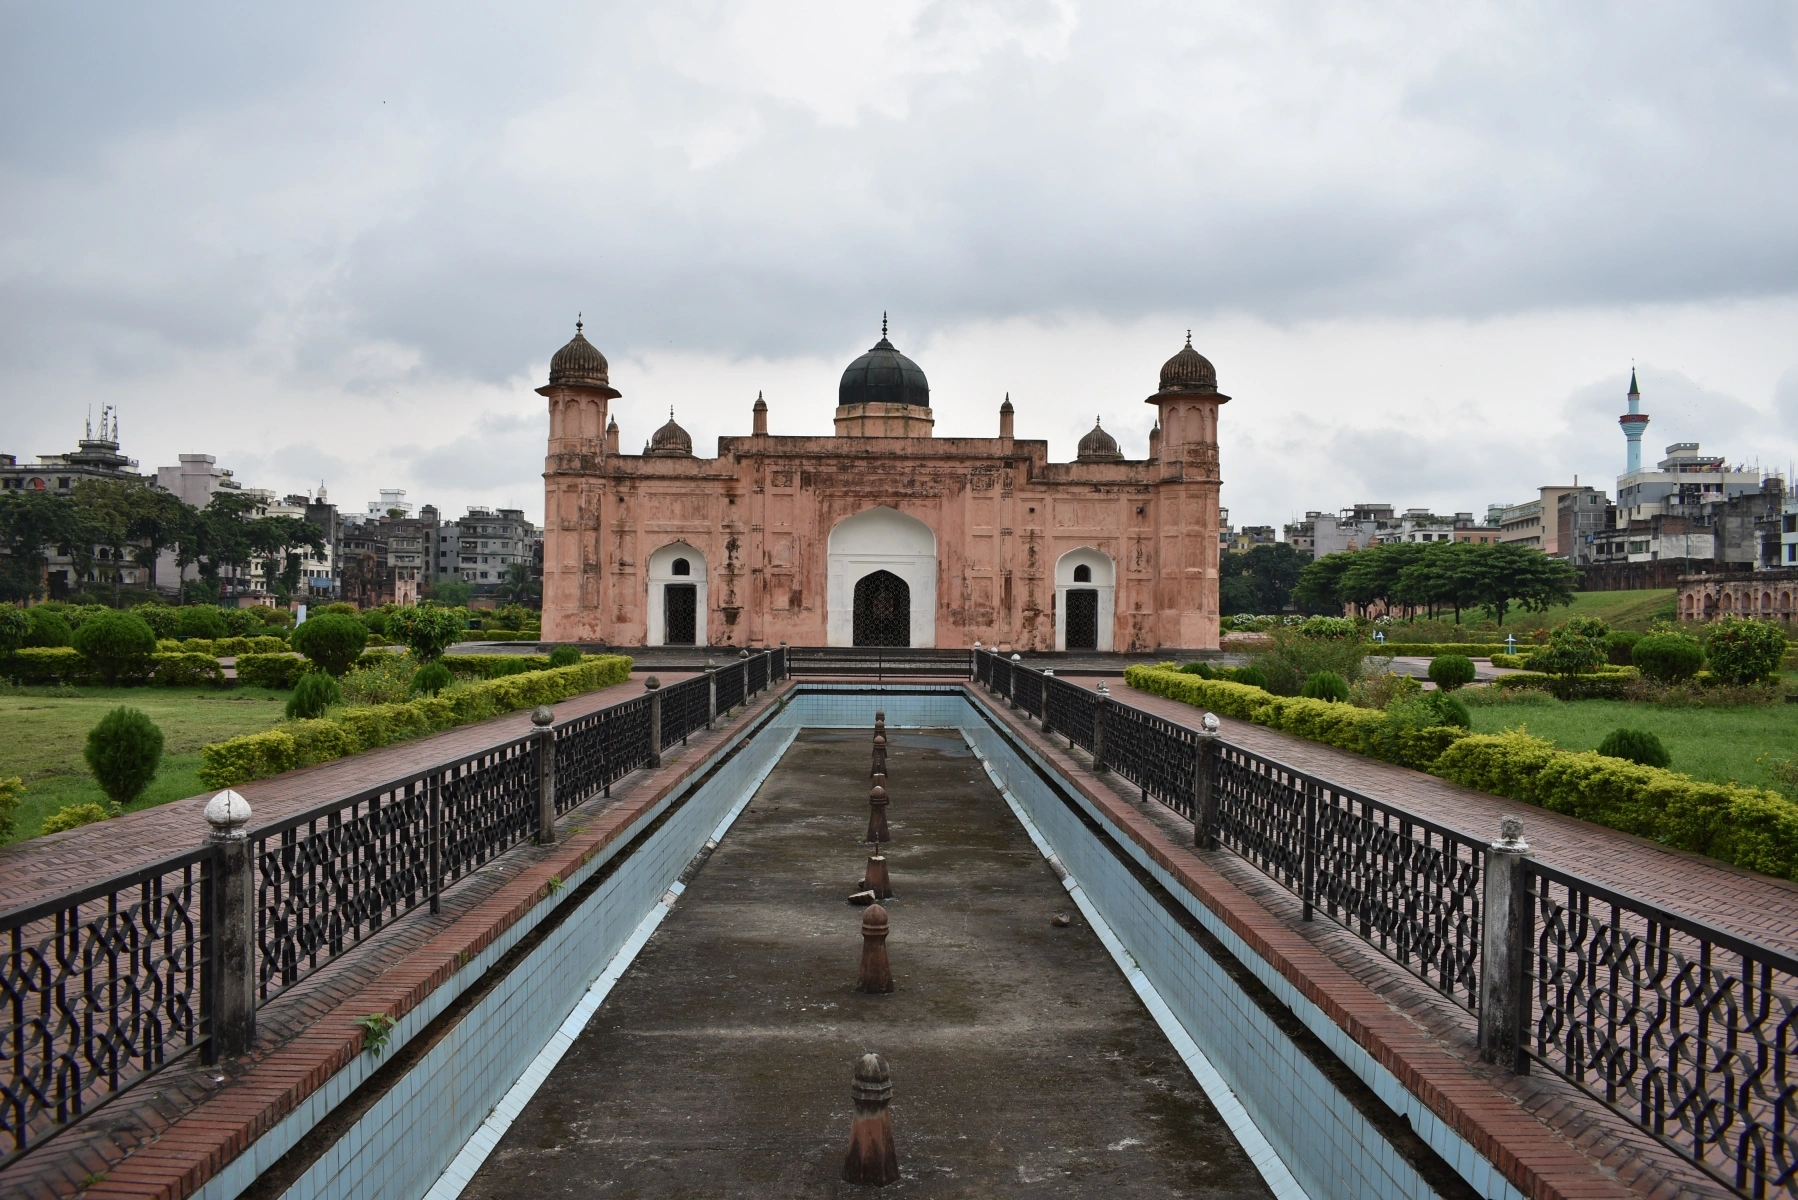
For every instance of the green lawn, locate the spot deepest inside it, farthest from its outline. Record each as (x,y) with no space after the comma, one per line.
(46,733)
(1620,610)
(1718,744)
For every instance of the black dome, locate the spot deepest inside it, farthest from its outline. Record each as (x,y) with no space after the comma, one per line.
(670,441)
(885,376)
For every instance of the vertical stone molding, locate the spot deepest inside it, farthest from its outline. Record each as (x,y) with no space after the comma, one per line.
(1504,949)
(231,1000)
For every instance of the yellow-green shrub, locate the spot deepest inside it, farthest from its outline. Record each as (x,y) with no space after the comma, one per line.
(44,664)
(74,816)
(186,670)
(299,743)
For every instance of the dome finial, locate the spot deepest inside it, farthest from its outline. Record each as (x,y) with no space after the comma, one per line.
(1189,337)
(577,321)
(883,323)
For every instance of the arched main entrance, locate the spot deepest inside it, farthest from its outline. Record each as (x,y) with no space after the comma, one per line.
(882,610)
(885,541)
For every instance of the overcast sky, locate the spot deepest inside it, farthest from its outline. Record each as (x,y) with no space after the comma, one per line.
(1422,243)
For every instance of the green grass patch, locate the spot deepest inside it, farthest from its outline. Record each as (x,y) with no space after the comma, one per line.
(47,730)
(1719,745)
(1619,610)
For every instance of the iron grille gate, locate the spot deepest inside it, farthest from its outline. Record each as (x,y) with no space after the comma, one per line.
(882,610)
(1082,621)
(680,614)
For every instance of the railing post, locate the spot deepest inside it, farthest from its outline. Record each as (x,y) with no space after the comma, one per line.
(543,716)
(1101,717)
(1047,676)
(1308,883)
(1011,681)
(653,688)
(434,788)
(711,685)
(1504,950)
(1204,786)
(974,662)
(232,1004)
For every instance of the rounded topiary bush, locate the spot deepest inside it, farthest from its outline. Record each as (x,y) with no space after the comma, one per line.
(1744,651)
(314,693)
(1253,676)
(123,751)
(165,621)
(48,628)
(15,627)
(1620,646)
(431,678)
(376,621)
(1326,685)
(565,656)
(1450,671)
(1668,657)
(1636,745)
(201,621)
(74,816)
(334,641)
(117,645)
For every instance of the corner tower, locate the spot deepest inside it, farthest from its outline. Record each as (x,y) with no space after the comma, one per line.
(579,391)
(1187,484)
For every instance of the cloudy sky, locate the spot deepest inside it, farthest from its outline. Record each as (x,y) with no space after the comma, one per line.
(1423,243)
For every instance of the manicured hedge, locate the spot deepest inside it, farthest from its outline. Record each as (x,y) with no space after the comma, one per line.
(225,647)
(186,670)
(500,635)
(1432,649)
(1749,827)
(44,664)
(270,670)
(493,666)
(301,743)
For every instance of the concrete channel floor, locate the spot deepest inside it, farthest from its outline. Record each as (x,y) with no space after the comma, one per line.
(1022,1061)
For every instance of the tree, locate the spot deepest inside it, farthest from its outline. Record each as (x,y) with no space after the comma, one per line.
(1373,576)
(1320,581)
(277,541)
(123,751)
(105,506)
(332,640)
(118,645)
(517,585)
(15,627)
(1259,579)
(451,592)
(426,629)
(32,522)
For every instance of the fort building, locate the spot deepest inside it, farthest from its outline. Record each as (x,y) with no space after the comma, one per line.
(880,534)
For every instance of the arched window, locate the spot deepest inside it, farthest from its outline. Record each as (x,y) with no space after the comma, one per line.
(1083,574)
(680,566)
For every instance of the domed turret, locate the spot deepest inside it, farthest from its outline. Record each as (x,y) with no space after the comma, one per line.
(670,441)
(1098,446)
(1188,371)
(580,364)
(884,394)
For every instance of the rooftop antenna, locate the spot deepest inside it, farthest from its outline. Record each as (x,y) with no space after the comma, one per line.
(90,422)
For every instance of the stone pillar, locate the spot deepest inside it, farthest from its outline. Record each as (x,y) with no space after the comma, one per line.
(543,716)
(873,1159)
(1101,717)
(1011,690)
(1504,950)
(652,687)
(1047,676)
(875,976)
(711,685)
(230,1000)
(1204,786)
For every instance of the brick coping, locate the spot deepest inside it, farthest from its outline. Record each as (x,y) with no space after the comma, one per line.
(1538,1159)
(229,1107)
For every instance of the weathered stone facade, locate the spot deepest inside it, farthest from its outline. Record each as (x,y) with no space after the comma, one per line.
(809,540)
(1768,595)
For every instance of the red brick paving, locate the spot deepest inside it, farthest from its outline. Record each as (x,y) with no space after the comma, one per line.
(1753,906)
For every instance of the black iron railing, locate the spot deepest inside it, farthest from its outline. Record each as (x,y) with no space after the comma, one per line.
(104,985)
(1685,1027)
(102,988)
(1688,1031)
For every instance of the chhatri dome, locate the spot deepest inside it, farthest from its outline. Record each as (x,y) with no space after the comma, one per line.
(580,364)
(1098,446)
(670,441)
(1188,371)
(884,376)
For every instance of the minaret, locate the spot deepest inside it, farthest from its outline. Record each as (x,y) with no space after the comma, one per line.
(1635,424)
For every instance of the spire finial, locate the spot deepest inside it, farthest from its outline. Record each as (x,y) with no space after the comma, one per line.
(883,323)
(1189,337)
(577,321)
(671,412)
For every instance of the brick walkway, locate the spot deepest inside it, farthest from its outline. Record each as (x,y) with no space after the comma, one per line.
(42,867)
(1753,906)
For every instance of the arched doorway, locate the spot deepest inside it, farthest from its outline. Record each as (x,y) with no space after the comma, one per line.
(1085,586)
(882,610)
(881,540)
(676,605)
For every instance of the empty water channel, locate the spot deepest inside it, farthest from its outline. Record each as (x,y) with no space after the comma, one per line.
(1139,1049)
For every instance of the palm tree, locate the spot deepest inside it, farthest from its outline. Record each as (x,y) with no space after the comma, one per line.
(517,586)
